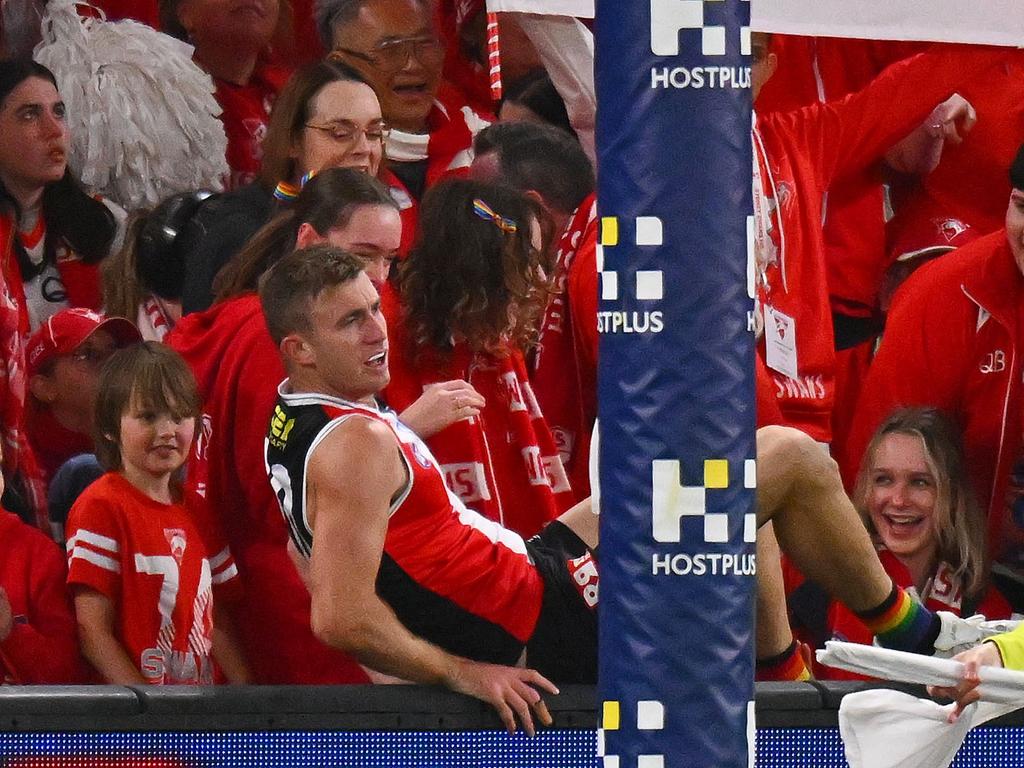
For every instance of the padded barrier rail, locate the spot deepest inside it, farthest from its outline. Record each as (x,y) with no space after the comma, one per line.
(43,709)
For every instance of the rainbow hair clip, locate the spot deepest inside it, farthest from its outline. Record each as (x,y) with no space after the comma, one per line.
(484,211)
(286,191)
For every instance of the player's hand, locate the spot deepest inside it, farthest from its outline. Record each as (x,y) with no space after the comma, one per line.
(441,405)
(512,691)
(6,616)
(965,692)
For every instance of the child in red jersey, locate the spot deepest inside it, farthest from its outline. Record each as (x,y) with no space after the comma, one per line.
(141,565)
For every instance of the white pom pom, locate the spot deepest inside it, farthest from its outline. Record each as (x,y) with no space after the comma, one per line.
(142,115)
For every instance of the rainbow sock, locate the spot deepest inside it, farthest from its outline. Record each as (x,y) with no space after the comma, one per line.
(788,665)
(902,623)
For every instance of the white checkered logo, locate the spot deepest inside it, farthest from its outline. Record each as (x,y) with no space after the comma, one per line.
(649,282)
(673,501)
(670,17)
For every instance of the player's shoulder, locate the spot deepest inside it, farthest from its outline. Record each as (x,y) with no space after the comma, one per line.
(356,450)
(357,430)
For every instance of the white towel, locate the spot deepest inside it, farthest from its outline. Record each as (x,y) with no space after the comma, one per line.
(890,729)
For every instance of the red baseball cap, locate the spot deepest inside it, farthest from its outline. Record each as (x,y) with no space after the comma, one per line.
(931,237)
(63,332)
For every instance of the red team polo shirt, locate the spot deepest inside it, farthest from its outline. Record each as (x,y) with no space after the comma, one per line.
(154,562)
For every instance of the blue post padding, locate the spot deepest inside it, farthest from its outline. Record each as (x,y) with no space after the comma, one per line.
(676,398)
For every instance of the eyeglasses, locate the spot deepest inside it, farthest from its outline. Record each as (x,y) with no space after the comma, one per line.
(394,54)
(347,132)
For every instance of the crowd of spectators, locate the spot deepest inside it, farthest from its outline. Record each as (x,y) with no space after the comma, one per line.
(370,126)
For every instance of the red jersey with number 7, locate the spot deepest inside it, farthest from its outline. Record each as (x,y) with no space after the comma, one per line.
(158,565)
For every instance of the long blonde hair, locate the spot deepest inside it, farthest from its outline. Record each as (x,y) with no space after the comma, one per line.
(958,520)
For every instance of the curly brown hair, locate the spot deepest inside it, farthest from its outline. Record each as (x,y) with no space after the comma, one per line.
(470,278)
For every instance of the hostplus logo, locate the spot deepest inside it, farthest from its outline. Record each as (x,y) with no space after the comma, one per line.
(650,717)
(674,501)
(647,286)
(672,20)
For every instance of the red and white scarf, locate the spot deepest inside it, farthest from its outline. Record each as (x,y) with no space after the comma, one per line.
(448,150)
(154,322)
(502,463)
(565,390)
(448,147)
(18,459)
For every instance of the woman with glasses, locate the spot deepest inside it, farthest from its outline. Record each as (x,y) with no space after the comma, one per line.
(325,117)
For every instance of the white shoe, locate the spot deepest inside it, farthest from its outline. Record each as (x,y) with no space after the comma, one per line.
(958,634)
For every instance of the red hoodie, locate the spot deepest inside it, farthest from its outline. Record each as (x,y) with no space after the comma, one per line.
(799,154)
(42,648)
(953,342)
(238,369)
(821,69)
(970,186)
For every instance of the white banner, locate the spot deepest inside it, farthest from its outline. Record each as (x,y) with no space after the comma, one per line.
(996,22)
(583,9)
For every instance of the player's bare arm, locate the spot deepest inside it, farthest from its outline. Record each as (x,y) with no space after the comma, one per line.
(352,476)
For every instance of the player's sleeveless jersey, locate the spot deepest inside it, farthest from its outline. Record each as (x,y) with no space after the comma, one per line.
(151,560)
(452,577)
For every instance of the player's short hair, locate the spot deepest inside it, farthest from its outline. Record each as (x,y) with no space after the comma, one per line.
(760,46)
(289,288)
(1017,170)
(541,158)
(149,376)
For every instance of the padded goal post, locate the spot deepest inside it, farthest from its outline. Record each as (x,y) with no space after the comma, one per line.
(676,396)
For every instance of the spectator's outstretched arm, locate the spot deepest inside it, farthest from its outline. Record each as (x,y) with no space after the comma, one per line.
(352,476)
(920,151)
(96,617)
(441,405)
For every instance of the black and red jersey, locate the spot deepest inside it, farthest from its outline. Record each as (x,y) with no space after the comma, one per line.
(452,576)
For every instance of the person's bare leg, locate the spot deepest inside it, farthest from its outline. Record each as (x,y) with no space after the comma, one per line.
(773,634)
(799,490)
(583,521)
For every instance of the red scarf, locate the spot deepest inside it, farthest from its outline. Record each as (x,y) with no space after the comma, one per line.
(448,147)
(408,209)
(18,459)
(565,390)
(502,463)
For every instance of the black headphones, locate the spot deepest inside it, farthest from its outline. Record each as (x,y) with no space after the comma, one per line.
(164,242)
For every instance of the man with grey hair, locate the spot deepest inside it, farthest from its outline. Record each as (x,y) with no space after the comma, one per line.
(394,45)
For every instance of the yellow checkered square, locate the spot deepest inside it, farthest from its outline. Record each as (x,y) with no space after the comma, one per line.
(716,473)
(609,230)
(610,716)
